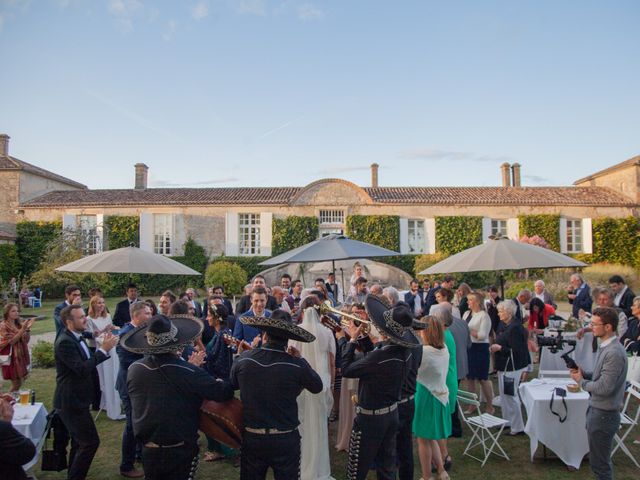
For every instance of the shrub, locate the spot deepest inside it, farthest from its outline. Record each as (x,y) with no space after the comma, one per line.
(615,240)
(9,262)
(228,274)
(293,232)
(42,355)
(422,262)
(598,274)
(511,289)
(455,234)
(381,230)
(122,231)
(405,263)
(248,264)
(32,239)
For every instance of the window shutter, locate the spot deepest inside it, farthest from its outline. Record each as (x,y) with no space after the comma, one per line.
(486,228)
(100,232)
(178,234)
(266,234)
(231,247)
(513,228)
(404,235)
(430,234)
(146,232)
(563,235)
(587,236)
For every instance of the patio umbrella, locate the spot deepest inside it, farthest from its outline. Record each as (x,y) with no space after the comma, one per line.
(500,253)
(330,248)
(127,260)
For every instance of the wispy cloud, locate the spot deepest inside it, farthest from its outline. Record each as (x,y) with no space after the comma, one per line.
(537,179)
(274,130)
(171,183)
(333,170)
(170,30)
(124,12)
(308,11)
(433,154)
(200,10)
(251,7)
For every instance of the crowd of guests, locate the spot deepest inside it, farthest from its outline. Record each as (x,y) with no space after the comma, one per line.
(386,380)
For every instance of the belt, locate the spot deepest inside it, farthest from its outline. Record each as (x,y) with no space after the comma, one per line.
(155,445)
(379,411)
(268,431)
(405,400)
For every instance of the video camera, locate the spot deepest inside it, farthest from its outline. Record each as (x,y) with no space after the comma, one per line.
(557,342)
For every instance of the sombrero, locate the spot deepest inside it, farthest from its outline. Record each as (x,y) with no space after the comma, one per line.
(162,334)
(394,323)
(282,327)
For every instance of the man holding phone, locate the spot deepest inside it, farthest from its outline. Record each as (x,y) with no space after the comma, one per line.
(606,389)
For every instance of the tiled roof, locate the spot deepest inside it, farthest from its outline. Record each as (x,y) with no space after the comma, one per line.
(587,196)
(12,163)
(618,166)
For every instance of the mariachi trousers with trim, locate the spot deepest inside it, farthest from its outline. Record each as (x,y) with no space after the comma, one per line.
(373,437)
(404,440)
(280,451)
(178,463)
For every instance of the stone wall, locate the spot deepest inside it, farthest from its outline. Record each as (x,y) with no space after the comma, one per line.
(9,188)
(32,186)
(625,180)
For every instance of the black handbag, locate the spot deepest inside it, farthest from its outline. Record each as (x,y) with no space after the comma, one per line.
(52,460)
(508,383)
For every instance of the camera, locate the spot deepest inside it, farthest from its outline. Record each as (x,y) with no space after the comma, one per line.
(557,343)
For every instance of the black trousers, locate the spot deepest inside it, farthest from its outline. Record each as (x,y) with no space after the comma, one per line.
(84,441)
(456,425)
(179,463)
(95,379)
(373,437)
(281,452)
(404,440)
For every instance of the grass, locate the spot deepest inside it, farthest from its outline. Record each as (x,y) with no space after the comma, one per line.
(105,464)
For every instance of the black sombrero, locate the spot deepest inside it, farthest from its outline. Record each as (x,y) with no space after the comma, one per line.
(394,323)
(163,334)
(280,327)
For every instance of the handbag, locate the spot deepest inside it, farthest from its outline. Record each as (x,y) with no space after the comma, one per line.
(633,367)
(52,460)
(5,360)
(509,383)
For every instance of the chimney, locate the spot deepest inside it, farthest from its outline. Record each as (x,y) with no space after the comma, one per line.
(515,174)
(506,174)
(4,145)
(141,176)
(374,175)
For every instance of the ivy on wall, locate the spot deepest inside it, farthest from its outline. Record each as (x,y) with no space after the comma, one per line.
(544,225)
(381,230)
(9,262)
(292,232)
(615,240)
(122,231)
(457,233)
(32,239)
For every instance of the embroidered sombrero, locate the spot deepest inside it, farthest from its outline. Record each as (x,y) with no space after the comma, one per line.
(162,334)
(394,323)
(280,324)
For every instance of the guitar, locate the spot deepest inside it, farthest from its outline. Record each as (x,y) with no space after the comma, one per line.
(330,323)
(235,342)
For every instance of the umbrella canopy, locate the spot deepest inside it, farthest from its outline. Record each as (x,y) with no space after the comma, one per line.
(331,247)
(128,260)
(500,253)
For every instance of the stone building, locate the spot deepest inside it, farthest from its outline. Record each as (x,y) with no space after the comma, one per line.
(238,221)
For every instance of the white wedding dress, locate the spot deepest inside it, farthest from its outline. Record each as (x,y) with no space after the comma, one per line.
(314,409)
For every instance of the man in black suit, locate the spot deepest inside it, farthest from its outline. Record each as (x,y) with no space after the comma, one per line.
(623,294)
(414,299)
(122,314)
(191,293)
(245,302)
(579,295)
(74,388)
(72,295)
(15,448)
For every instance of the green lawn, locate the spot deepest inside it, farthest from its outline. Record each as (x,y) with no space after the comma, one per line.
(105,465)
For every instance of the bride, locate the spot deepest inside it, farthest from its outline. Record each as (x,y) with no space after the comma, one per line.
(314,409)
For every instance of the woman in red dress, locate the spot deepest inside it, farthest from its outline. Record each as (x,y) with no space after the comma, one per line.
(14,338)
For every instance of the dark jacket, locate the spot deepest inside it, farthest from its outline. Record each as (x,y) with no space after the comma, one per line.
(582,301)
(245,304)
(122,314)
(219,355)
(57,320)
(74,379)
(126,358)
(626,301)
(15,451)
(513,340)
(166,393)
(410,298)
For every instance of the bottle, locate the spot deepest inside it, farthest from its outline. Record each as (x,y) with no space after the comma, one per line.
(33,397)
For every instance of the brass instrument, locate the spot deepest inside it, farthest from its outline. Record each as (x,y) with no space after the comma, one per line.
(326,309)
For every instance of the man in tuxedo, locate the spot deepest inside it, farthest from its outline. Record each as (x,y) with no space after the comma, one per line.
(191,293)
(623,294)
(122,314)
(414,299)
(74,388)
(579,295)
(245,302)
(72,295)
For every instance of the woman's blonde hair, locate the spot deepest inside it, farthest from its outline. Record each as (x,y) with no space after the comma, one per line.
(93,307)
(433,334)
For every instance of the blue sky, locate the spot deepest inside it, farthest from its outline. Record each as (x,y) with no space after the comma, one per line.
(285,92)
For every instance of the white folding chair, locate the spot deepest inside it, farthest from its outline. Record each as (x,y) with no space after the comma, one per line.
(628,420)
(554,374)
(485,428)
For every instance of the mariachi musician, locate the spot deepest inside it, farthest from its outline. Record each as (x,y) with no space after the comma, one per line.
(166,394)
(270,378)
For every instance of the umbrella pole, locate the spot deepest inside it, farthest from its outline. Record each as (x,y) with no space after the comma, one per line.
(344,296)
(502,286)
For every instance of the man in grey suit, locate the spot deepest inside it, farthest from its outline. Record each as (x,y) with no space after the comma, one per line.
(606,388)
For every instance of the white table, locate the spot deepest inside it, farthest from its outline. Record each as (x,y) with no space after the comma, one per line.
(583,354)
(567,440)
(108,373)
(30,421)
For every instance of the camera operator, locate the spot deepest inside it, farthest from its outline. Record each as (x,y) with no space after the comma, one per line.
(606,388)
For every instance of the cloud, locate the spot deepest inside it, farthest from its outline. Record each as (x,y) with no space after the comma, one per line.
(450,156)
(281,127)
(200,10)
(170,31)
(251,7)
(124,11)
(167,183)
(331,171)
(308,12)
(537,179)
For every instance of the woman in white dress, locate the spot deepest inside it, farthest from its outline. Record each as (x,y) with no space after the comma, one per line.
(480,329)
(314,409)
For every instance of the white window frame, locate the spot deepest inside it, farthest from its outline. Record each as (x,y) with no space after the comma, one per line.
(574,235)
(249,233)
(163,237)
(416,239)
(499,225)
(87,228)
(331,221)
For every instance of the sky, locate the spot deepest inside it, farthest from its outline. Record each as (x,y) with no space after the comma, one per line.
(232,93)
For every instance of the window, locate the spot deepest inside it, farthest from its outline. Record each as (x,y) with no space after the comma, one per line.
(416,234)
(88,235)
(574,236)
(162,233)
(331,221)
(499,227)
(249,233)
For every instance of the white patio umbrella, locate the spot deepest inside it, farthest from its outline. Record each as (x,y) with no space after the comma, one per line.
(128,260)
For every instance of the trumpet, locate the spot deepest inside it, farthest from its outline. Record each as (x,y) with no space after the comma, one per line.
(325,309)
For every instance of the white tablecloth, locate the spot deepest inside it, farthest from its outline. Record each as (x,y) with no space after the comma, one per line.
(108,373)
(583,354)
(567,440)
(30,421)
